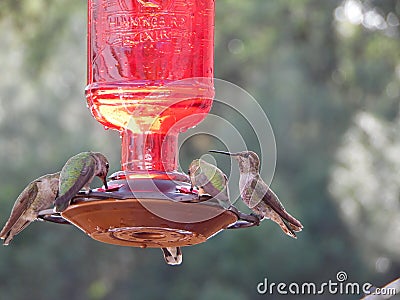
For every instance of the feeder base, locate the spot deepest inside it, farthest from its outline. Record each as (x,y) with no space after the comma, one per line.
(130,222)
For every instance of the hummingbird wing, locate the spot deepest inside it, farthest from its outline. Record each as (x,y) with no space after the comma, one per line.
(216,187)
(22,203)
(72,181)
(272,200)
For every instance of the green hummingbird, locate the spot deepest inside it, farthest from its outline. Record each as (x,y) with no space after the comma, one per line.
(210,180)
(37,196)
(172,255)
(77,173)
(257,195)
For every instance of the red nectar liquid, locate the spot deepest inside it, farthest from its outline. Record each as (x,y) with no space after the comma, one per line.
(150,73)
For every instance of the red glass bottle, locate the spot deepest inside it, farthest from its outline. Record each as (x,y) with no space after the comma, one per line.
(150,74)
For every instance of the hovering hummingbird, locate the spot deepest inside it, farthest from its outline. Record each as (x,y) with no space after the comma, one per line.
(38,195)
(257,195)
(77,173)
(212,181)
(172,255)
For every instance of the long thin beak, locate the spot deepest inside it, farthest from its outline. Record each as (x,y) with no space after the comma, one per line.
(105,182)
(224,152)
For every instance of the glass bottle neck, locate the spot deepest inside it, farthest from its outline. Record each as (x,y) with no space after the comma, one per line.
(149,152)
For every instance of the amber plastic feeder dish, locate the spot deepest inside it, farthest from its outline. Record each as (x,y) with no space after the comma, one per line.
(129,223)
(147,218)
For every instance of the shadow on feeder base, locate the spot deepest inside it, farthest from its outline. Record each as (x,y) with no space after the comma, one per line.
(148,212)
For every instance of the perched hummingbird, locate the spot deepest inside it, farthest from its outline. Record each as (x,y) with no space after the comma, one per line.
(257,195)
(38,195)
(209,180)
(212,181)
(77,173)
(172,255)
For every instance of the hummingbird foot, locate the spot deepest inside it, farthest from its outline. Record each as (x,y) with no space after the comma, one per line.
(259,217)
(54,218)
(251,218)
(245,220)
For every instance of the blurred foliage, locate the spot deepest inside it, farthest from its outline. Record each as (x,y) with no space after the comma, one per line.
(367,189)
(316,68)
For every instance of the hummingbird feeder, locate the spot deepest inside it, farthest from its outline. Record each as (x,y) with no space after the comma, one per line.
(150,76)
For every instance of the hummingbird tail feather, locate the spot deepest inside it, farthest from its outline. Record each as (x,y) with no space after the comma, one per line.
(12,231)
(286,225)
(172,255)
(287,228)
(4,233)
(295,228)
(294,223)
(7,239)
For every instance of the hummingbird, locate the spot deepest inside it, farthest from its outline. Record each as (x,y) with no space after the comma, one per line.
(257,195)
(38,195)
(210,180)
(172,255)
(77,173)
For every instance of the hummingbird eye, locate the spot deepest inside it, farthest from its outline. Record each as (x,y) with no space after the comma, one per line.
(107,166)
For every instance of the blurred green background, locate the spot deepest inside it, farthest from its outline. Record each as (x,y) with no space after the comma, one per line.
(327,74)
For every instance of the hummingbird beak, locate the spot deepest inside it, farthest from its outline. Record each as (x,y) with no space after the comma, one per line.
(224,152)
(105,182)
